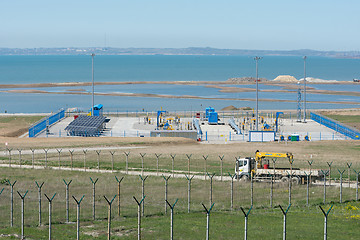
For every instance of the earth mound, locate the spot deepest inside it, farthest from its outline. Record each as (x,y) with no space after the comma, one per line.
(286,78)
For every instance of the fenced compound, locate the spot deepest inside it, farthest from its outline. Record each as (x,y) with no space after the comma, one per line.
(220,192)
(335,125)
(44,123)
(229,133)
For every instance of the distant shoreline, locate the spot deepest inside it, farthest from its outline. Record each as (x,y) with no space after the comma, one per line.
(196,51)
(287,87)
(81,84)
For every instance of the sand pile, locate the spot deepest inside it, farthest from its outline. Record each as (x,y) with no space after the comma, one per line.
(317,80)
(233,108)
(286,78)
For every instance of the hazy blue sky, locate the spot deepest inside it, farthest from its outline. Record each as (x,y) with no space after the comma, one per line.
(261,24)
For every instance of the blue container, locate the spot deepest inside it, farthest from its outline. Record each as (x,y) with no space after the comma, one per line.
(208,111)
(213,118)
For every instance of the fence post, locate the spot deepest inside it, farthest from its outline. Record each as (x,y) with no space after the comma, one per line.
(67,199)
(246,220)
(271,190)
(20,150)
(32,157)
(84,151)
(109,215)
(46,151)
(143,192)
(357,185)
(59,153)
(349,166)
(290,185)
(274,163)
(166,184)
(208,220)
(78,216)
(173,163)
(232,191)
(142,163)
(39,189)
(112,160)
(205,167)
(139,215)
(325,220)
(329,164)
(119,182)
(172,218)
(310,163)
(157,163)
(237,169)
(252,189)
(11,202)
(221,167)
(94,183)
(189,190)
(98,159)
(284,221)
(22,213)
(50,212)
(188,157)
(307,187)
(9,150)
(127,162)
(324,173)
(341,177)
(211,182)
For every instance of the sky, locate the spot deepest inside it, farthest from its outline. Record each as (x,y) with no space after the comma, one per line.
(229,24)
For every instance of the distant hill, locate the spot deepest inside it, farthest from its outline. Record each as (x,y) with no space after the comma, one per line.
(175,51)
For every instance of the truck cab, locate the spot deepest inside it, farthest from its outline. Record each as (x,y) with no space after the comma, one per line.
(243,167)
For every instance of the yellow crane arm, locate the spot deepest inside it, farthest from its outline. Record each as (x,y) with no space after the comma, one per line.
(260,155)
(270,154)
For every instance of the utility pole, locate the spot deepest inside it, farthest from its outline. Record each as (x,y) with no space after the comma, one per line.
(304,89)
(257,93)
(92,70)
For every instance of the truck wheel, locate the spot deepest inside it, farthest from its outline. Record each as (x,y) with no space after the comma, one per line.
(244,178)
(284,179)
(295,180)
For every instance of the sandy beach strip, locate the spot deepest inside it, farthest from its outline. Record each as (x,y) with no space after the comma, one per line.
(289,85)
(150,95)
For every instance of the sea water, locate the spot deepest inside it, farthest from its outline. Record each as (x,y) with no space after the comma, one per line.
(55,69)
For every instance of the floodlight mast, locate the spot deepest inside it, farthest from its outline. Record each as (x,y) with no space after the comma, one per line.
(92,68)
(257,93)
(304,89)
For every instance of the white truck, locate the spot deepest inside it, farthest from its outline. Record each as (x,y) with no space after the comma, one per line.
(259,167)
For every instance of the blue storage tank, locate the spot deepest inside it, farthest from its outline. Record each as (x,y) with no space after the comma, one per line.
(213,118)
(208,111)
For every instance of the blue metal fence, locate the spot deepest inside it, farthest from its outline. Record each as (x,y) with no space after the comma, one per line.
(41,125)
(335,125)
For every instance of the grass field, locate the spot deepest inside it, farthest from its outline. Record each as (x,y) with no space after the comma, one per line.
(303,222)
(321,152)
(348,117)
(352,121)
(14,126)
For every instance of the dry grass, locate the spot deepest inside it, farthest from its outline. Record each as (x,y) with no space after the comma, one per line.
(321,152)
(15,126)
